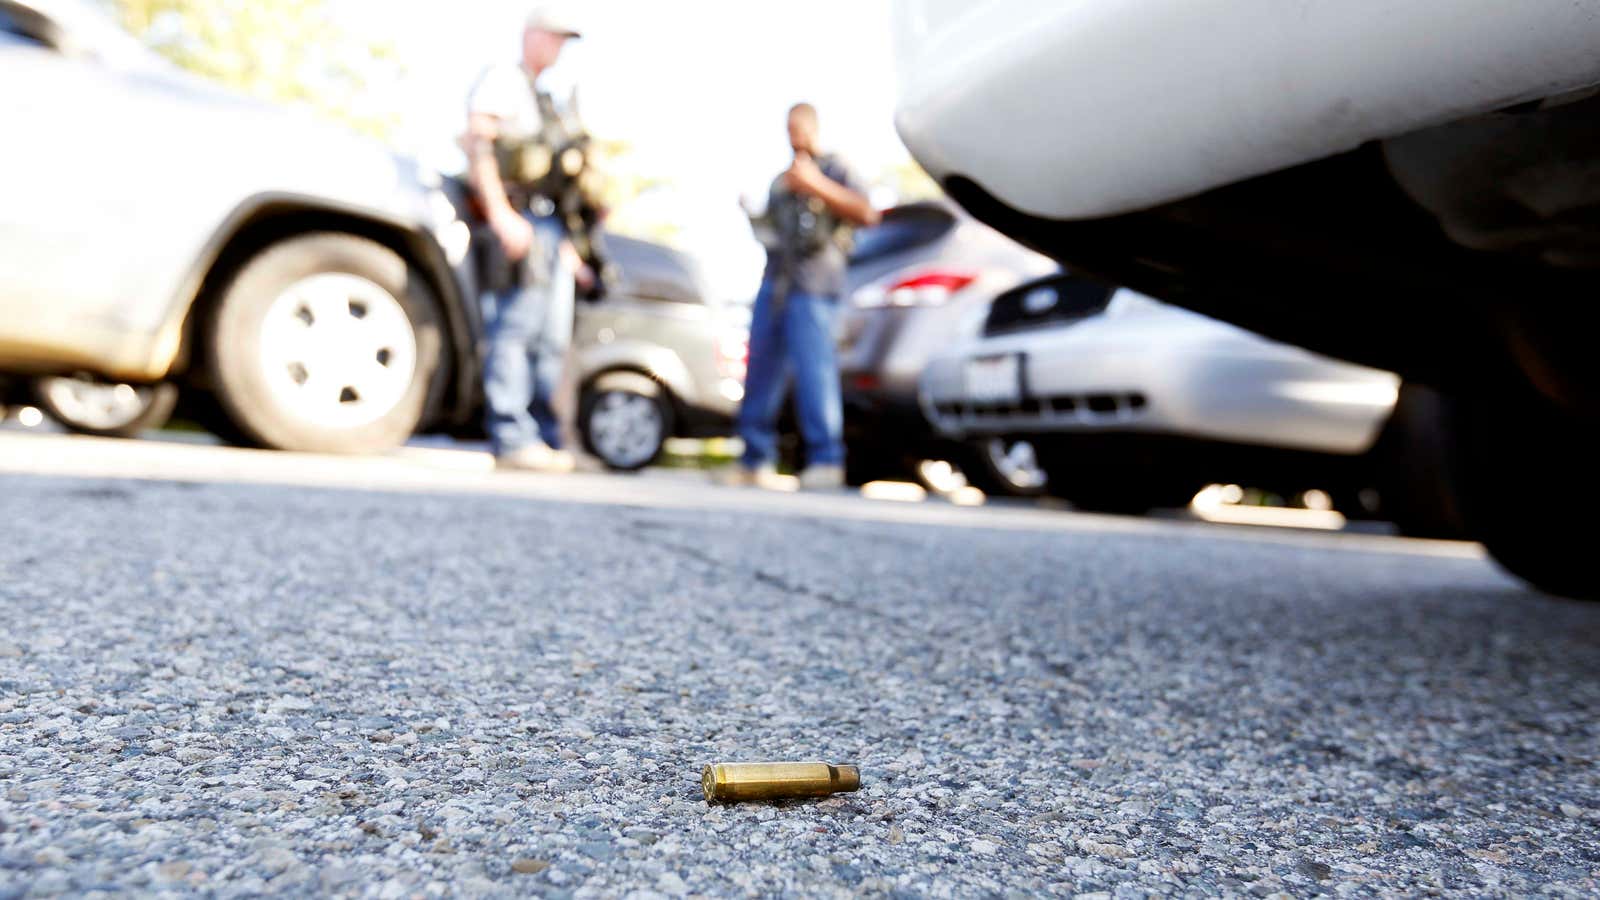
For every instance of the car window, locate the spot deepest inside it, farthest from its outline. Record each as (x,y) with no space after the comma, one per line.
(79,30)
(12,39)
(1048,301)
(903,228)
(16,29)
(653,272)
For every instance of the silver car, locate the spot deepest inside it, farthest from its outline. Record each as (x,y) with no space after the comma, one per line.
(159,230)
(1132,404)
(658,358)
(917,283)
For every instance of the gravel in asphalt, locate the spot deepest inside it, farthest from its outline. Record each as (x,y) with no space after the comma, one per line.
(246,690)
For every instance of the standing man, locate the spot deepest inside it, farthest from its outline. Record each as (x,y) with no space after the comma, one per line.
(515,117)
(807,228)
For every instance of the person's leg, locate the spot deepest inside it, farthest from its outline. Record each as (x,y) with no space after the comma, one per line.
(809,322)
(507,372)
(553,340)
(764,383)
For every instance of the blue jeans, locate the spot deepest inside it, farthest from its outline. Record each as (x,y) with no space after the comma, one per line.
(528,331)
(792,337)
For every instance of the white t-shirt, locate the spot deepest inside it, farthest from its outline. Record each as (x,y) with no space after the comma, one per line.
(502,91)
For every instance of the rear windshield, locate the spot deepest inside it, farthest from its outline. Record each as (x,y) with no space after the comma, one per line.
(1047,302)
(903,228)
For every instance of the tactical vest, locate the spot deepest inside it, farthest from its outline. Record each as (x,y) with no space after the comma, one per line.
(803,227)
(551,163)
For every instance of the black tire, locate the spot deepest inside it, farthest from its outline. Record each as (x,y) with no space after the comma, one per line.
(986,468)
(146,407)
(1419,469)
(624,420)
(868,460)
(252,390)
(1524,474)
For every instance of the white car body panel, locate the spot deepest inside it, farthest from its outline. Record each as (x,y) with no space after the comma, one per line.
(1111,107)
(119,173)
(1196,377)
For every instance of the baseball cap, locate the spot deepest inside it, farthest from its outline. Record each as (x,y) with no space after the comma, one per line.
(556,18)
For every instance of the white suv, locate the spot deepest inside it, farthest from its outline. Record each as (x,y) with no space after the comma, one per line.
(158,230)
(1410,186)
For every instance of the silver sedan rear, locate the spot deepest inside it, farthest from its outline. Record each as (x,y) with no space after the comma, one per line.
(918,282)
(1064,359)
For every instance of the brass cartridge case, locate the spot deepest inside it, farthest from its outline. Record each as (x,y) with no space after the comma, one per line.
(740,782)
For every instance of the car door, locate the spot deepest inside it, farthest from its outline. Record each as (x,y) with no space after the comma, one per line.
(84,165)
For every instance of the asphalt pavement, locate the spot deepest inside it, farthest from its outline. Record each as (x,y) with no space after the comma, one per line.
(225,673)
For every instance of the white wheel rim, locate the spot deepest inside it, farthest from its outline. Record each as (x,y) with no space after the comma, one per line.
(92,404)
(625,428)
(1017,463)
(337,351)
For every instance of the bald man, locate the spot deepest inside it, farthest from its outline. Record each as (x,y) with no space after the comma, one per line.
(811,210)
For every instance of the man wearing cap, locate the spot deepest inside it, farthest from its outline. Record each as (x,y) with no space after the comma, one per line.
(528,324)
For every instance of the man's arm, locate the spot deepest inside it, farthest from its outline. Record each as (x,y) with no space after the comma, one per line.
(483,169)
(849,205)
(581,273)
(484,172)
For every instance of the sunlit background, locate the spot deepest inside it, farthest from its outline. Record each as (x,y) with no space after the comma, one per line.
(690,97)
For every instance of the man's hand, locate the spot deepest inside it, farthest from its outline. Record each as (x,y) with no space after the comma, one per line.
(510,228)
(515,234)
(805,176)
(585,278)
(582,272)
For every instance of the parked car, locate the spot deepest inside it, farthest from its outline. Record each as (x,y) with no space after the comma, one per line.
(915,283)
(1418,178)
(91,406)
(87,405)
(657,358)
(157,230)
(1133,404)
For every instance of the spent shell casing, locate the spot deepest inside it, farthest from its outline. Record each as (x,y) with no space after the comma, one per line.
(740,782)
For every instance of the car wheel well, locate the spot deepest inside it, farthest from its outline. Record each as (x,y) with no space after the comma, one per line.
(667,393)
(273,223)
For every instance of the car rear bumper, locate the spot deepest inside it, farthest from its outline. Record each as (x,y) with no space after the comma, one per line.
(1247,391)
(1082,109)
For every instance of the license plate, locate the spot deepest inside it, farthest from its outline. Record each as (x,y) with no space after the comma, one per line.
(994,379)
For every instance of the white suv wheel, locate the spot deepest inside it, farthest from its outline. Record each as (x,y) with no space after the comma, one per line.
(326,343)
(337,350)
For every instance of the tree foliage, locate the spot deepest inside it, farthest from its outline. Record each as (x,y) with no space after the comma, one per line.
(624,184)
(289,51)
(909,182)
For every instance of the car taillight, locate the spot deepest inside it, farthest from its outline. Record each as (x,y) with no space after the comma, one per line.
(928,287)
(733,355)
